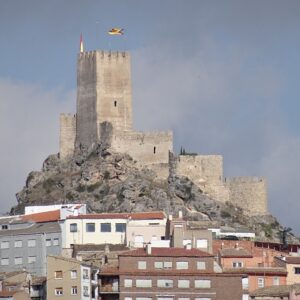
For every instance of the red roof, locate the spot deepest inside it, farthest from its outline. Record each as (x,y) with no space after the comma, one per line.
(134,216)
(48,216)
(168,252)
(290,259)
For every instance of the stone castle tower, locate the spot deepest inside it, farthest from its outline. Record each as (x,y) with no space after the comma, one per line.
(104,113)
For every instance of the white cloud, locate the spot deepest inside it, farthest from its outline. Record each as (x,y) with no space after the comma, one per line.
(29,132)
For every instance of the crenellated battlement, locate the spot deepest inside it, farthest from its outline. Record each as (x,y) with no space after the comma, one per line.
(244,179)
(105,55)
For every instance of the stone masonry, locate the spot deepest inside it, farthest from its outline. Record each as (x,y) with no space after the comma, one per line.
(104,114)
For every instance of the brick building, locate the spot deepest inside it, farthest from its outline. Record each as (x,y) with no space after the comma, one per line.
(168,274)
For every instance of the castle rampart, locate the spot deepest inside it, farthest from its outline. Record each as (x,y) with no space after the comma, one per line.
(250,193)
(67,135)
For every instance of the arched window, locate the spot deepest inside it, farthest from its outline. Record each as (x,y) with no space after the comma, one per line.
(154,149)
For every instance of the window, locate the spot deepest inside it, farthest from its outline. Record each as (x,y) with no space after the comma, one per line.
(165,283)
(120,227)
(31,259)
(202,243)
(183,283)
(4,245)
(154,150)
(201,265)
(115,103)
(58,274)
(183,298)
(55,242)
(73,227)
(187,242)
(18,244)
(48,242)
(105,227)
(260,282)
(202,283)
(74,290)
(297,270)
(143,298)
(245,283)
(73,274)
(237,264)
(202,298)
(127,298)
(127,282)
(158,264)
(18,260)
(85,274)
(4,261)
(86,291)
(142,265)
(4,227)
(275,280)
(144,283)
(31,243)
(58,291)
(90,227)
(167,265)
(182,265)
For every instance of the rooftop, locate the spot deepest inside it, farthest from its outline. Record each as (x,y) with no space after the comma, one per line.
(33,229)
(257,271)
(155,215)
(48,216)
(290,259)
(276,291)
(235,252)
(168,252)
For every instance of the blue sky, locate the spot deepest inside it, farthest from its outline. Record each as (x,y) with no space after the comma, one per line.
(223,75)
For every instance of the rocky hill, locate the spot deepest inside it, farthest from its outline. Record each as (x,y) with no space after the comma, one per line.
(112,182)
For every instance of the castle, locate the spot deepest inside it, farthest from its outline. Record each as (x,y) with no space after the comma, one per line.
(104,114)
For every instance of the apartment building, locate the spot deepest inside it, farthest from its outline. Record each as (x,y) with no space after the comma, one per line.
(70,279)
(132,229)
(168,274)
(25,245)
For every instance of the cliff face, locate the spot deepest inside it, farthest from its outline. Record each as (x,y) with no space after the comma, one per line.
(111,182)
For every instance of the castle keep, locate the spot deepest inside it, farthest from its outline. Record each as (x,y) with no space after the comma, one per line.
(104,114)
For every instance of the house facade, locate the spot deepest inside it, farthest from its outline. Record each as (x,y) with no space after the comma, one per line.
(168,274)
(292,266)
(132,229)
(70,279)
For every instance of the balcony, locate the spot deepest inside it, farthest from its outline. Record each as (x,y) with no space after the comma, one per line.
(109,289)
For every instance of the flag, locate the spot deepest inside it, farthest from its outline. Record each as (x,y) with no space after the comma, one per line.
(81,44)
(116,31)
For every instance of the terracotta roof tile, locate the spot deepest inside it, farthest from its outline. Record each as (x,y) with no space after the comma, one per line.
(235,252)
(257,271)
(168,252)
(49,216)
(134,216)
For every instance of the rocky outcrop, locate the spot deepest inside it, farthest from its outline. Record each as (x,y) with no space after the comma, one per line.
(112,182)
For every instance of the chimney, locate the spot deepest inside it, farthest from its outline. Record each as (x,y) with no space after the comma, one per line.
(180,214)
(188,246)
(236,245)
(106,249)
(149,249)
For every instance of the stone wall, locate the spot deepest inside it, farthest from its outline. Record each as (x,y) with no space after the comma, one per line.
(250,193)
(147,148)
(67,135)
(206,171)
(103,94)
(87,131)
